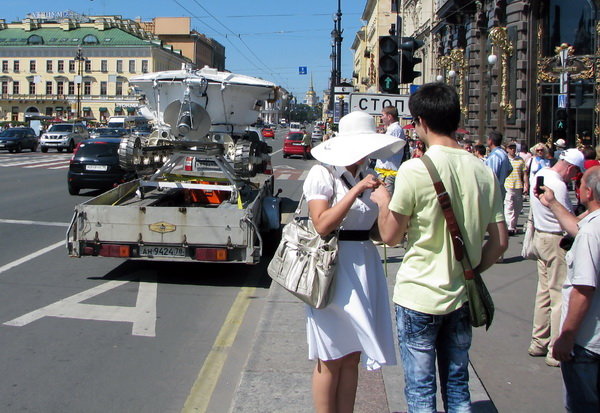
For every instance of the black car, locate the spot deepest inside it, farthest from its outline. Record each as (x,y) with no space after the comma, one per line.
(108,133)
(17,139)
(95,165)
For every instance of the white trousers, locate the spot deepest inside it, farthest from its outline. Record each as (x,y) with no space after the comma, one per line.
(513,204)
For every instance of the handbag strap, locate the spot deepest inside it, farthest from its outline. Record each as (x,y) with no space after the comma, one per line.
(443,198)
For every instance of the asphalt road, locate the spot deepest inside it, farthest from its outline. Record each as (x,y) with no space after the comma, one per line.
(102,334)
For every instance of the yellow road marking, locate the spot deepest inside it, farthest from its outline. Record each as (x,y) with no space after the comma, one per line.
(207,379)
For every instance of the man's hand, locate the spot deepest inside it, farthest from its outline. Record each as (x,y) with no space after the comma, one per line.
(563,347)
(381,196)
(546,197)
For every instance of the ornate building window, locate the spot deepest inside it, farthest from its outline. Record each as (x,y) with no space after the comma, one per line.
(571,22)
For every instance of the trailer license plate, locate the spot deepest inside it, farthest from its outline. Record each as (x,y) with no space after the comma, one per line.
(96,167)
(158,251)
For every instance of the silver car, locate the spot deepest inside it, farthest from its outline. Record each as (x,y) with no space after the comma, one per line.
(63,136)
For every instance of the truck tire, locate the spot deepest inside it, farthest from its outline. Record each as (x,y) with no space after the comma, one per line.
(245,153)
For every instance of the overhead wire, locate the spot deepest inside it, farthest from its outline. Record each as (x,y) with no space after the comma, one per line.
(238,37)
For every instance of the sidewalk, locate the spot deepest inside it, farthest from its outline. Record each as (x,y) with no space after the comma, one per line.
(503,377)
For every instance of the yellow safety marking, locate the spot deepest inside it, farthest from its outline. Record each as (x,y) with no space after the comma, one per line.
(207,379)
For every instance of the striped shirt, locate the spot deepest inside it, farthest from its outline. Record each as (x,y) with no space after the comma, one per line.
(515,179)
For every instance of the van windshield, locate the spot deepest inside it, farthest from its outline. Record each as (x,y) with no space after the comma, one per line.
(61,128)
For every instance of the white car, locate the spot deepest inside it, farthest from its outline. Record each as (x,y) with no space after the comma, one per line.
(317,136)
(63,136)
(295,127)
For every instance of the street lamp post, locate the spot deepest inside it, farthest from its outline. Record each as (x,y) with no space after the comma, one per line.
(80,59)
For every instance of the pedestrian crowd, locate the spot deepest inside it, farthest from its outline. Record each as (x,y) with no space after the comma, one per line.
(384,190)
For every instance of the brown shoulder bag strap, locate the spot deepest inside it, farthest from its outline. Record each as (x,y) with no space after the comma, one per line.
(444,199)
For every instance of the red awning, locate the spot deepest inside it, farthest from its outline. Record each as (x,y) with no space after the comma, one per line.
(409,126)
(463,131)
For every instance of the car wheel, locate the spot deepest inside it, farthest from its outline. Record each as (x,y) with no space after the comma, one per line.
(73,190)
(59,149)
(285,155)
(34,147)
(71,147)
(11,150)
(18,149)
(44,149)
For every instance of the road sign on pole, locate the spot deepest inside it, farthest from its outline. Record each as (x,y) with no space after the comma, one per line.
(302,70)
(373,103)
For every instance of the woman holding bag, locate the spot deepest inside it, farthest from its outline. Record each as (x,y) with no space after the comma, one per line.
(357,322)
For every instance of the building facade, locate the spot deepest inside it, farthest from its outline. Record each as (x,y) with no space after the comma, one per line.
(177,32)
(76,66)
(529,69)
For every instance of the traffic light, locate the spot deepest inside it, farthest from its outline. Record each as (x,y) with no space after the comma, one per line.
(388,64)
(408,61)
(561,123)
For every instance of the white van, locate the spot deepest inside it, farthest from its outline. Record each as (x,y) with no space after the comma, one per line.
(127,122)
(295,127)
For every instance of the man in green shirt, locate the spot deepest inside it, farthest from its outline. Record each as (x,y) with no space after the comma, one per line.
(431,302)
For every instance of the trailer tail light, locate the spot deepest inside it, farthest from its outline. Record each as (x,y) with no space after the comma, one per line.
(110,250)
(211,254)
(189,163)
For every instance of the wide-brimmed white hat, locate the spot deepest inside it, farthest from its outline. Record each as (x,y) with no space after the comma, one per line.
(357,139)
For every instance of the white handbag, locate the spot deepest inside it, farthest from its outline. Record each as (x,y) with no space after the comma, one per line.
(304,262)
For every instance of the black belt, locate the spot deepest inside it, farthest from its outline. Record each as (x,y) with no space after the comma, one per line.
(349,235)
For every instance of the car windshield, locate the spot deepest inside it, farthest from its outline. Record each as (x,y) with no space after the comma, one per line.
(61,128)
(96,150)
(109,132)
(12,132)
(295,136)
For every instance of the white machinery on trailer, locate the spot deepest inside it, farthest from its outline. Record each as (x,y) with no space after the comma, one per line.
(208,195)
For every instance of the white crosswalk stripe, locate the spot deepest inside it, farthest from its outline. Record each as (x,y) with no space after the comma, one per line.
(35,161)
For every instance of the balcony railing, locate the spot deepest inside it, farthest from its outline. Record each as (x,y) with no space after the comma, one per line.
(440,3)
(70,98)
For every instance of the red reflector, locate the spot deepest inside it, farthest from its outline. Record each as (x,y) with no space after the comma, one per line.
(188,163)
(109,250)
(211,254)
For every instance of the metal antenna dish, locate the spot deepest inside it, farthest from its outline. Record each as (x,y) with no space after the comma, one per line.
(188,121)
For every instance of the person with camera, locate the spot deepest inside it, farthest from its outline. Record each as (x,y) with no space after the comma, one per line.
(577,347)
(551,263)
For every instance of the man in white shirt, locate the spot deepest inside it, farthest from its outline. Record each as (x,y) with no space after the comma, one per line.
(551,264)
(578,345)
(387,168)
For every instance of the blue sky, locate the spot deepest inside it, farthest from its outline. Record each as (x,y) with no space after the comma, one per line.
(263,38)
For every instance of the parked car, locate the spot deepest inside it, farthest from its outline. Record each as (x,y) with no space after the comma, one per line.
(17,139)
(95,165)
(108,133)
(292,145)
(63,136)
(268,133)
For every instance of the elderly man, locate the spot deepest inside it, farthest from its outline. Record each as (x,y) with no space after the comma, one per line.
(551,264)
(387,168)
(578,345)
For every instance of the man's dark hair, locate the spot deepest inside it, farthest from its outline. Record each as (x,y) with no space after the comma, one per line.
(480,149)
(495,137)
(438,104)
(392,111)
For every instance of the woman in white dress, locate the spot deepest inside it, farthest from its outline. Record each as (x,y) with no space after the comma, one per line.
(357,322)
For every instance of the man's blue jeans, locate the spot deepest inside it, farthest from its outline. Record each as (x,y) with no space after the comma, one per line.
(422,338)
(580,376)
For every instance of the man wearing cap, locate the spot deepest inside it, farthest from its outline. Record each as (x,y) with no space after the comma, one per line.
(432,311)
(560,148)
(551,264)
(515,185)
(387,168)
